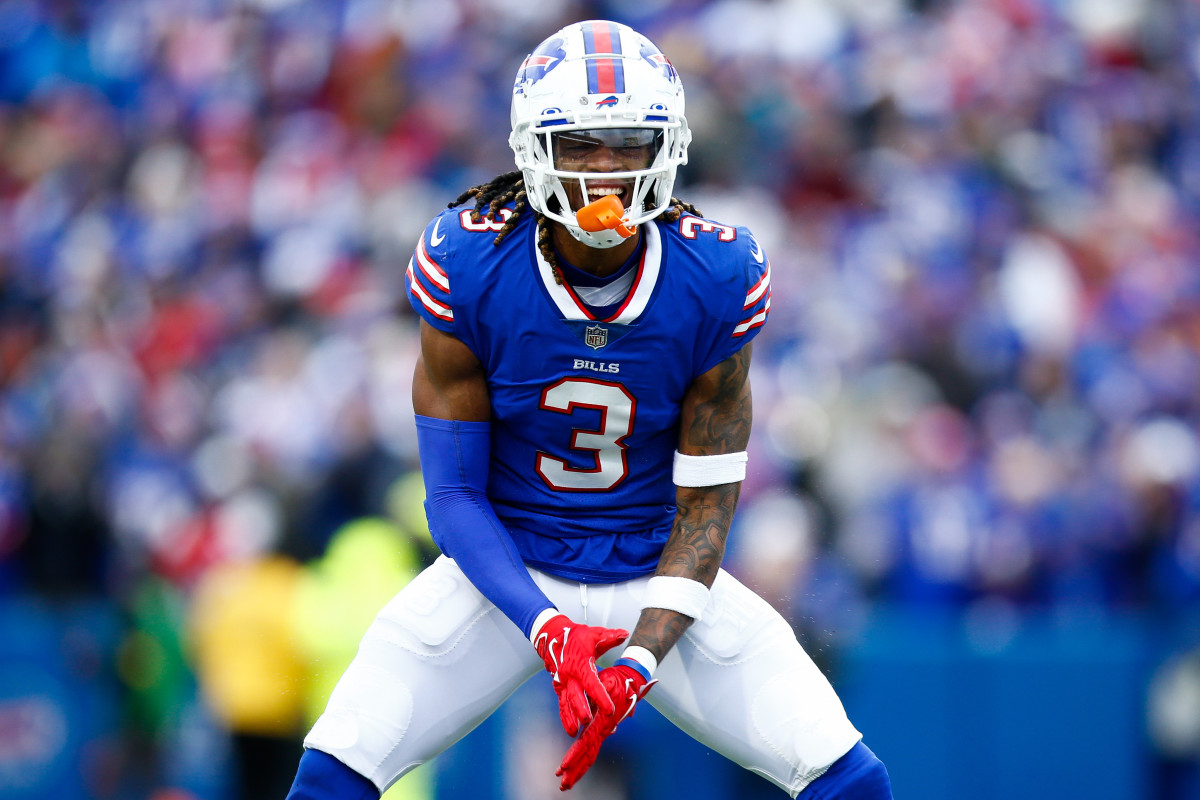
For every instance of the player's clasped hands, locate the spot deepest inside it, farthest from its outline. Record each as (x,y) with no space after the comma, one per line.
(624,686)
(569,651)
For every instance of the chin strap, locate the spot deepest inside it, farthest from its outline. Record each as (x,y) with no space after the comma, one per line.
(605,214)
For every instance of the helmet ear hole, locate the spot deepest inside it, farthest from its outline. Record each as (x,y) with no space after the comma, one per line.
(600,77)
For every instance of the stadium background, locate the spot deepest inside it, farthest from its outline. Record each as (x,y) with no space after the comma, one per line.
(975,474)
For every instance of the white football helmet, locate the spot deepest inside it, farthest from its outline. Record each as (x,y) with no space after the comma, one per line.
(607,78)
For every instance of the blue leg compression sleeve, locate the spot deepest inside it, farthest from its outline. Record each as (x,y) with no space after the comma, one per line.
(858,775)
(320,776)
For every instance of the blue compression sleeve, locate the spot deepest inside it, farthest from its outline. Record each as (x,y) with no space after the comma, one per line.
(454,463)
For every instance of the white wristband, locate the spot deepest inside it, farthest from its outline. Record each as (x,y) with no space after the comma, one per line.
(540,620)
(683,595)
(643,657)
(709,470)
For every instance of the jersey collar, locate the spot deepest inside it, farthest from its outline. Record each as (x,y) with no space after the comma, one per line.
(644,283)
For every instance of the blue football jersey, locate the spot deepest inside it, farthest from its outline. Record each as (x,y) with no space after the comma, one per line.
(585,411)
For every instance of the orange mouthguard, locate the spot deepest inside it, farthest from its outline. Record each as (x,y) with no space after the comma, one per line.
(603,215)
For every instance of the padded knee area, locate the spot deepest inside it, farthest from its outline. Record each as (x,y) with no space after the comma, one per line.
(369,711)
(802,719)
(437,659)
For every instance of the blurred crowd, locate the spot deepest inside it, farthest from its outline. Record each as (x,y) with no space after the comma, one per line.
(979,389)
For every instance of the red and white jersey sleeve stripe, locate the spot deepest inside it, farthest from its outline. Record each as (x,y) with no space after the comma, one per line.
(758,297)
(429,286)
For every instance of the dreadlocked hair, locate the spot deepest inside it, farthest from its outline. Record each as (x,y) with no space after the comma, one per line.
(508,188)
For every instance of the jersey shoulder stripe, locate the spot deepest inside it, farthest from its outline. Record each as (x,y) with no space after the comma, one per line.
(428,284)
(454,251)
(426,299)
(432,270)
(426,278)
(758,298)
(733,266)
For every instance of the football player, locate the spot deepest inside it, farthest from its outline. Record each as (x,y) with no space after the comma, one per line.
(583,409)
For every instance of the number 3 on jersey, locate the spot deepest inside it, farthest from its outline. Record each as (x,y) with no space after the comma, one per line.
(606,445)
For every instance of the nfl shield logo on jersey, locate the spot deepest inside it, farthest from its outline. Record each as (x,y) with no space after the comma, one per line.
(595,336)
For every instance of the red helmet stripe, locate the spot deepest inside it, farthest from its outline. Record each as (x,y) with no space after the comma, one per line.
(605,75)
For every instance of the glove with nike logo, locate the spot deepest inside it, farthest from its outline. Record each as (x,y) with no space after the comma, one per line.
(569,651)
(626,683)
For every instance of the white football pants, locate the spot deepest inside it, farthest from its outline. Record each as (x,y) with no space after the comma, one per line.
(440,658)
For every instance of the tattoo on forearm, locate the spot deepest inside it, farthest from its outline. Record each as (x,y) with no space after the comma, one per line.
(697,542)
(718,422)
(658,630)
(694,550)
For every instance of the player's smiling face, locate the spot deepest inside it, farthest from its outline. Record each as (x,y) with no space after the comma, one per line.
(600,151)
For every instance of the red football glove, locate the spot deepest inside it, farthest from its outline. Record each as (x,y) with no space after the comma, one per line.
(625,686)
(569,651)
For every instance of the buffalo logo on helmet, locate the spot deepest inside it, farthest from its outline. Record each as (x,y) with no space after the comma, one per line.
(546,57)
(656,59)
(607,102)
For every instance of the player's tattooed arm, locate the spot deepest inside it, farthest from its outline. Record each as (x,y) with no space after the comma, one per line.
(715,419)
